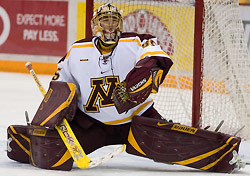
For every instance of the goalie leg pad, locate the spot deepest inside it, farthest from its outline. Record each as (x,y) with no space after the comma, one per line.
(59,102)
(48,150)
(18,143)
(178,144)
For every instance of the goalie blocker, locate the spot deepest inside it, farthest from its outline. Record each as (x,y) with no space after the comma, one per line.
(173,143)
(144,79)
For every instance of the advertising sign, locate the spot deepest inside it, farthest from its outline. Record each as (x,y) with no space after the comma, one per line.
(33,27)
(242,2)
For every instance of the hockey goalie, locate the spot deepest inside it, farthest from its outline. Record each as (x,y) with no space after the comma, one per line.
(102,88)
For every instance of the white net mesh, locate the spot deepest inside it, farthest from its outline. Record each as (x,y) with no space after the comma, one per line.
(226,63)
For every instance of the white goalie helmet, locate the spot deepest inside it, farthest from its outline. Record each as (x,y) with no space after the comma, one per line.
(107,23)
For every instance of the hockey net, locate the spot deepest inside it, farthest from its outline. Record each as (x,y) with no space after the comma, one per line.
(224,91)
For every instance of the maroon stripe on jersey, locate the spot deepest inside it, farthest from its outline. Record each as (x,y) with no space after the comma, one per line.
(79,41)
(89,39)
(62,59)
(141,36)
(145,36)
(128,34)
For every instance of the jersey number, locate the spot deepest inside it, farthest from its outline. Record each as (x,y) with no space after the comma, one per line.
(98,92)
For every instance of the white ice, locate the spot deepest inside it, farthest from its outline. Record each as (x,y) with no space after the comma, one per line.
(18,92)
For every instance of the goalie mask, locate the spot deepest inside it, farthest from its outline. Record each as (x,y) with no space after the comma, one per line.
(107,23)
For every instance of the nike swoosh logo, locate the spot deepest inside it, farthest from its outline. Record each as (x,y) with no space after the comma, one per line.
(103,72)
(162,124)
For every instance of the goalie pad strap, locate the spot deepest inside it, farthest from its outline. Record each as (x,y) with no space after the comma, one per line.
(58,103)
(178,144)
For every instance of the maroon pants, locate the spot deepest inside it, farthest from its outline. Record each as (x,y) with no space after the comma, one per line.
(93,134)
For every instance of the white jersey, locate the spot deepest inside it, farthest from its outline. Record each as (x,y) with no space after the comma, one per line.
(96,77)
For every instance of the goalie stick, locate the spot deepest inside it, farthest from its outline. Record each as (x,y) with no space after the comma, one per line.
(28,65)
(66,133)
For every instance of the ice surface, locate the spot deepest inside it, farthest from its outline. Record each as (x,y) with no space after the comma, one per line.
(18,92)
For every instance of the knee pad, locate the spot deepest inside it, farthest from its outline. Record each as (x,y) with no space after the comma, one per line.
(48,150)
(59,102)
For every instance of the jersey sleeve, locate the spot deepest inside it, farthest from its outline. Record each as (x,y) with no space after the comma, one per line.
(150,47)
(63,72)
(150,55)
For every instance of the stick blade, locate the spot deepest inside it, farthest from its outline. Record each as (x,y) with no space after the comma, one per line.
(104,159)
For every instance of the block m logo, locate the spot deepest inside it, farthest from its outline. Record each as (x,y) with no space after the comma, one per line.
(98,92)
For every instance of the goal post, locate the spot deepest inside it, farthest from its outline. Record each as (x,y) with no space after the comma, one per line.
(89,15)
(197,64)
(210,78)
